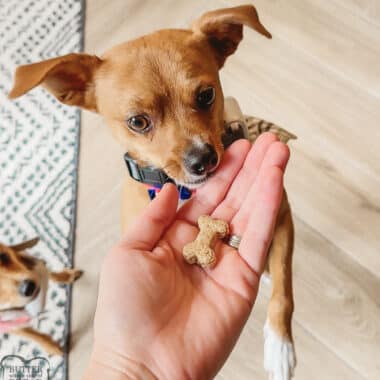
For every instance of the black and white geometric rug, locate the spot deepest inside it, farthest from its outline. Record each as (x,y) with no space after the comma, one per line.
(39,141)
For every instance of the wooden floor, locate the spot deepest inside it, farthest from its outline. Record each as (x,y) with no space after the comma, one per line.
(320,78)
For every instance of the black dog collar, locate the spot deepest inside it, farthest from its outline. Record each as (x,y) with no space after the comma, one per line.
(146,174)
(156,178)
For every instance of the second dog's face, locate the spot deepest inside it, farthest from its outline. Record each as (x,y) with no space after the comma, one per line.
(19,280)
(160,94)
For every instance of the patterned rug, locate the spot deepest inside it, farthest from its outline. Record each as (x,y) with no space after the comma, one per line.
(39,140)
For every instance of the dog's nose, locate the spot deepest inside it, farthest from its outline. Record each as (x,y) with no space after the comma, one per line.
(201,159)
(27,288)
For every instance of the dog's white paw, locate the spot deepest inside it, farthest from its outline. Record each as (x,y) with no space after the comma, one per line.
(266,278)
(279,355)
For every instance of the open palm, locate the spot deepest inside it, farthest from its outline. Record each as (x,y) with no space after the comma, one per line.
(178,320)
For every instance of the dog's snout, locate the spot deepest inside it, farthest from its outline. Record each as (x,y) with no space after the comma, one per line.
(27,288)
(200,160)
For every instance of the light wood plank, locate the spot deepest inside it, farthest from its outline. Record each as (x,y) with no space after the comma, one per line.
(367,9)
(132,19)
(338,301)
(329,32)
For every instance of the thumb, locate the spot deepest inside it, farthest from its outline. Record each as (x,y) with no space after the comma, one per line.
(148,228)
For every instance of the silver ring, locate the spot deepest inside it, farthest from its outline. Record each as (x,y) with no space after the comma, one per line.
(234,241)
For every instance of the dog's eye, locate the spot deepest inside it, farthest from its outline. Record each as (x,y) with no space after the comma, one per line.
(139,123)
(4,258)
(206,98)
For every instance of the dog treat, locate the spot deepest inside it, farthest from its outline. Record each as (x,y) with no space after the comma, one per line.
(200,251)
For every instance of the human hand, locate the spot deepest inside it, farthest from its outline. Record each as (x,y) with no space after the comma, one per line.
(159,317)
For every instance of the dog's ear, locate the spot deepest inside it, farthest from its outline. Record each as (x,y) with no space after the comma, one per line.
(26,244)
(69,78)
(223,28)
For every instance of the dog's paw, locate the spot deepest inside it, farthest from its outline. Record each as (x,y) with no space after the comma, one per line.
(67,276)
(266,278)
(279,355)
(75,274)
(54,349)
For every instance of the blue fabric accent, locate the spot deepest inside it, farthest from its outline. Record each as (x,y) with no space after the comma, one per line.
(152,194)
(184,193)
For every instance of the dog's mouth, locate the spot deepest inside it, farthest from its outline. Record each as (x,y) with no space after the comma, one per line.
(229,137)
(194,183)
(10,308)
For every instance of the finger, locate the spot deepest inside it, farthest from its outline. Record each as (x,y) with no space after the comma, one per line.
(155,219)
(212,193)
(245,178)
(276,156)
(263,205)
(259,231)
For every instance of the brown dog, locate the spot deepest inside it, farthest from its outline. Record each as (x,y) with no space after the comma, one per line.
(23,286)
(161,96)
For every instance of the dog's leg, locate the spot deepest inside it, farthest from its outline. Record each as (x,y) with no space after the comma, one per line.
(279,355)
(45,341)
(67,276)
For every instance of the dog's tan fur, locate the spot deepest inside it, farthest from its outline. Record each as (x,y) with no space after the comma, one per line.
(159,74)
(281,305)
(21,266)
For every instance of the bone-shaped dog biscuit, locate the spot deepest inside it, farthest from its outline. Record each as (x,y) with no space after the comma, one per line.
(200,250)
